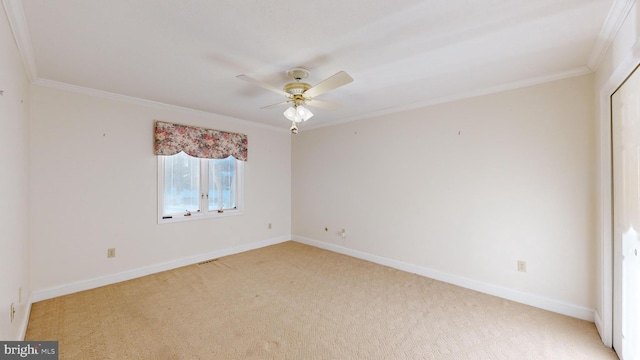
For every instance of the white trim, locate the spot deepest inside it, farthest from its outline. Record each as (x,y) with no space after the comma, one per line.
(17,21)
(597,319)
(25,320)
(616,17)
(545,303)
(606,329)
(204,212)
(149,103)
(583,70)
(88,284)
(20,29)
(617,77)
(199,216)
(18,24)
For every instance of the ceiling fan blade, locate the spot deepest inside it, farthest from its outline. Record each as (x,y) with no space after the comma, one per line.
(263,85)
(336,80)
(322,104)
(276,105)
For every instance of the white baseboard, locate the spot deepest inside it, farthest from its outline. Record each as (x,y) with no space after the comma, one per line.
(88,284)
(541,302)
(560,307)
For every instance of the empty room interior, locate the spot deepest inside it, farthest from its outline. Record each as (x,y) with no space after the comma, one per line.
(337,179)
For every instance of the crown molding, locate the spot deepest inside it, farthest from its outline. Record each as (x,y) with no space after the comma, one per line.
(18,24)
(148,103)
(20,29)
(616,17)
(583,70)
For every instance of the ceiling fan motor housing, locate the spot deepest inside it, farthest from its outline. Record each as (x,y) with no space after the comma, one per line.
(296,88)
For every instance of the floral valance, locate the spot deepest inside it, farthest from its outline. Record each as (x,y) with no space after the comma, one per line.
(170,139)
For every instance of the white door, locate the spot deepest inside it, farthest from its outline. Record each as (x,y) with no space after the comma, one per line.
(625,130)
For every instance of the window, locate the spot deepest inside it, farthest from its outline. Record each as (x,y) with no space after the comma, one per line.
(199,171)
(191,188)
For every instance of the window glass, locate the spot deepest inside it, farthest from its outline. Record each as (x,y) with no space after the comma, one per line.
(222,184)
(181,184)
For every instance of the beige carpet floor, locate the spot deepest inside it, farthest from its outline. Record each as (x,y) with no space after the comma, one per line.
(293,301)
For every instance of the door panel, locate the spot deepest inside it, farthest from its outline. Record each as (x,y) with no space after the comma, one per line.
(625,130)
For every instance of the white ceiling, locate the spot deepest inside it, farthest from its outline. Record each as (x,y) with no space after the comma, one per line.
(402,54)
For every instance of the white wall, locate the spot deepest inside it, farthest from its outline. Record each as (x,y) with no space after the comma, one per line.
(465,188)
(94,186)
(14,180)
(621,58)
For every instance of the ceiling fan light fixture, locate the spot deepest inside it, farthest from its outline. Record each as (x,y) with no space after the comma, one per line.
(298,113)
(304,113)
(290,114)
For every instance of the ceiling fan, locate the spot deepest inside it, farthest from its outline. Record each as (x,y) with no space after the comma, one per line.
(299,93)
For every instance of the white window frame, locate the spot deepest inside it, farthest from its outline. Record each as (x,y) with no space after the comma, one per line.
(204,181)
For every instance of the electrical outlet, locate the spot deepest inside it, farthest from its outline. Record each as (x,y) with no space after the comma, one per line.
(522,266)
(111,252)
(13,312)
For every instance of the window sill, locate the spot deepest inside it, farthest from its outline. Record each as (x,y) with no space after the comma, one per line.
(199,216)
